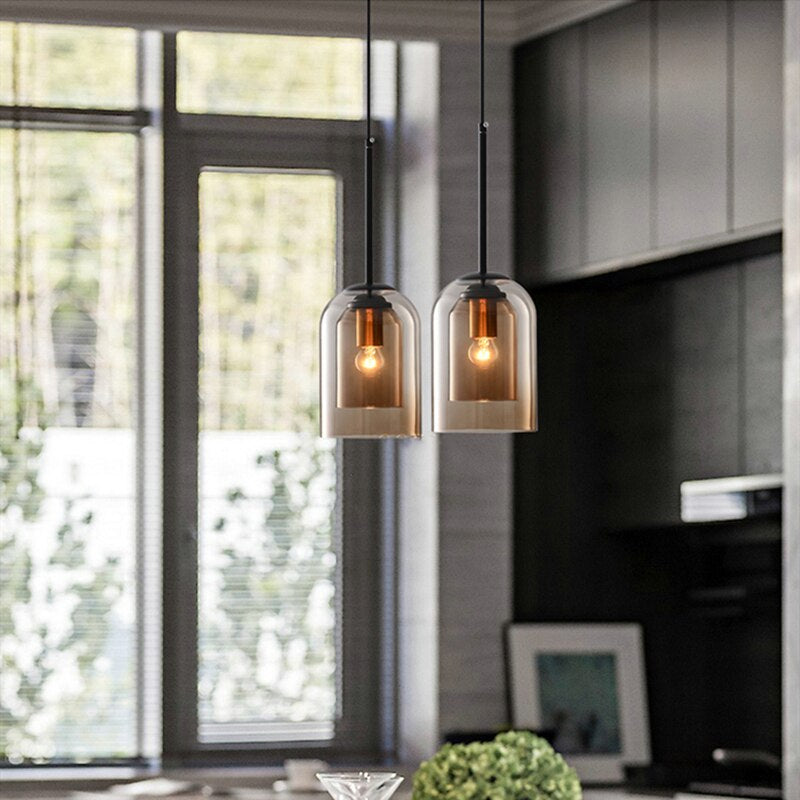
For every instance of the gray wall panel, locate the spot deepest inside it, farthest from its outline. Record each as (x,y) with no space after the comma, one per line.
(455,491)
(757,103)
(691,91)
(475,472)
(762,356)
(618,133)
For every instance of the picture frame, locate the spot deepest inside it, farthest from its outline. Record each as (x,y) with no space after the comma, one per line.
(584,686)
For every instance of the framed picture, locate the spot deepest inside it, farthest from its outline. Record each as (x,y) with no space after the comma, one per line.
(584,686)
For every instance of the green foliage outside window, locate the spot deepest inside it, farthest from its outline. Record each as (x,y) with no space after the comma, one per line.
(278,76)
(71,66)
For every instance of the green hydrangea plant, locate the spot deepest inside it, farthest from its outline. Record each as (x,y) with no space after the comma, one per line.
(516,765)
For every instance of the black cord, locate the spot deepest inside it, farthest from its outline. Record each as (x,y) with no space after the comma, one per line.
(368,272)
(483,115)
(482,128)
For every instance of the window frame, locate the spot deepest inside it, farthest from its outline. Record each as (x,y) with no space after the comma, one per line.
(172,148)
(195,141)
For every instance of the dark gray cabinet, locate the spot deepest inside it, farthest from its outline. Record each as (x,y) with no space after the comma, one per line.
(705,375)
(757,83)
(647,131)
(617,135)
(691,120)
(642,389)
(549,177)
(761,335)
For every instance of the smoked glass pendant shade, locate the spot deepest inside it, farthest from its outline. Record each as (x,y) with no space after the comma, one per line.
(484,357)
(369,365)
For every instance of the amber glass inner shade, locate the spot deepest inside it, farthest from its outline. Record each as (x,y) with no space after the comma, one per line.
(369,359)
(483,350)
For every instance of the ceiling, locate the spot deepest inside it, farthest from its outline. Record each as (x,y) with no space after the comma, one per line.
(507,21)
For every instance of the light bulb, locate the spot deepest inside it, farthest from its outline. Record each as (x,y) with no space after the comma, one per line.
(369,360)
(483,351)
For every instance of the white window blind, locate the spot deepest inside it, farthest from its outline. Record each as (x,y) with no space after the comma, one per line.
(267,483)
(68,627)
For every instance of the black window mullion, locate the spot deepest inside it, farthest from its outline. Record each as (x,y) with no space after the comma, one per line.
(84,119)
(180,433)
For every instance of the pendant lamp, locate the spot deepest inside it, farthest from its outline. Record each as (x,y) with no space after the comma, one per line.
(484,339)
(369,341)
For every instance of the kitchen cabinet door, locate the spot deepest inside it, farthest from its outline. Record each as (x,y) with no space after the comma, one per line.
(548,187)
(757,112)
(618,133)
(705,364)
(691,120)
(761,304)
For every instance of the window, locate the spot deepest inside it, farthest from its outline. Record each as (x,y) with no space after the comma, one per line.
(270,636)
(67,519)
(278,76)
(267,664)
(67,66)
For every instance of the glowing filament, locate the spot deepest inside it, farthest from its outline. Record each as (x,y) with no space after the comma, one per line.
(483,351)
(369,360)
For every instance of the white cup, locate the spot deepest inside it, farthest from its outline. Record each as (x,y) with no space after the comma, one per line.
(301,773)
